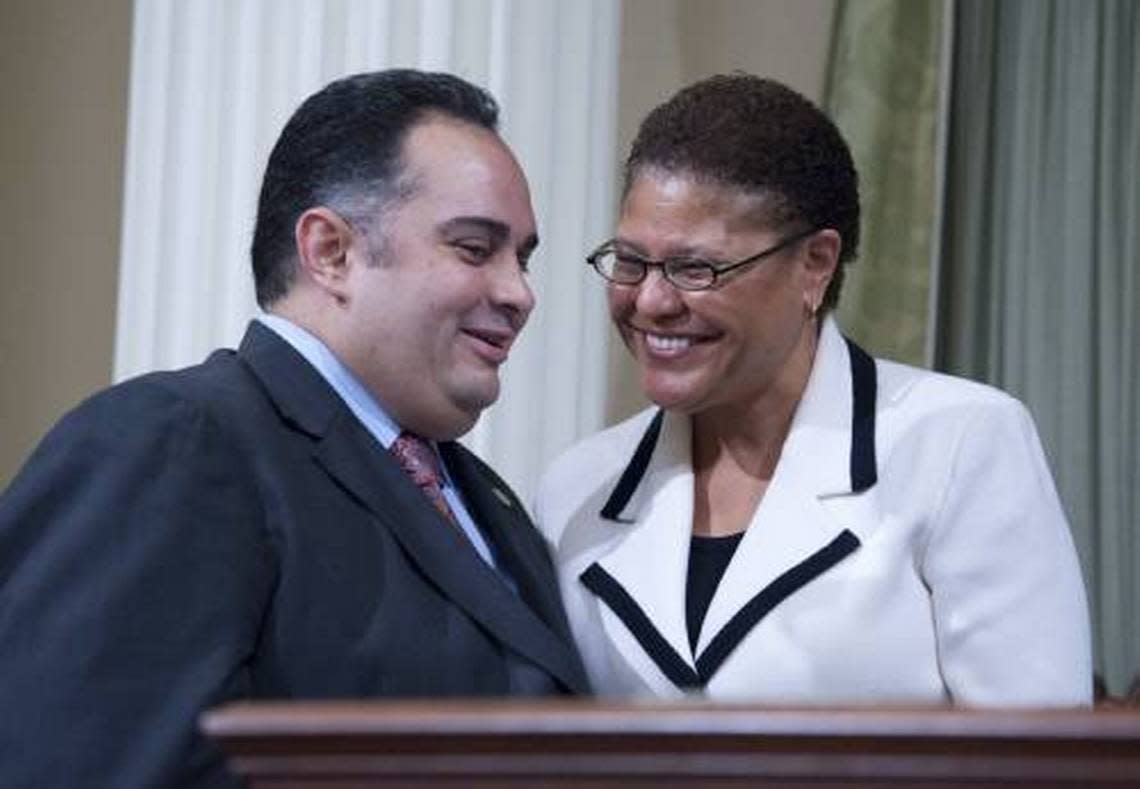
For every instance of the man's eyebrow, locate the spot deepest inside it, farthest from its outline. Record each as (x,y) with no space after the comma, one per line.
(498,231)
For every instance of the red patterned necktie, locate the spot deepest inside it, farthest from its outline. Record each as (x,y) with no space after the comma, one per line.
(419,461)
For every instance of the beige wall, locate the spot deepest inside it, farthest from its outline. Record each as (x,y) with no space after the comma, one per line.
(666,44)
(63,97)
(787,40)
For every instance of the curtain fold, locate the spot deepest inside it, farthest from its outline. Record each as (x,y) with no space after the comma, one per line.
(1039,288)
(884,94)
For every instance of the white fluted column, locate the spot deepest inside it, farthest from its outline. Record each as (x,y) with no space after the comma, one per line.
(213,81)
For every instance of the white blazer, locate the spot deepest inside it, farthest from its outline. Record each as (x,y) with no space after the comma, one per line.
(910,548)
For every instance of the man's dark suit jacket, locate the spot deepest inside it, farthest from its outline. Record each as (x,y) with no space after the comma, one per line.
(232,531)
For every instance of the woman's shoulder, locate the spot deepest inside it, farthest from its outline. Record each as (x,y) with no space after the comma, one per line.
(614,444)
(588,465)
(932,420)
(933,393)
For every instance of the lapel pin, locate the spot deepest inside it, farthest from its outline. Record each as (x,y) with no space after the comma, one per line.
(503,497)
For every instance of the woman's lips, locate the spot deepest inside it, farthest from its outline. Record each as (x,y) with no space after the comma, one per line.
(667,344)
(670,345)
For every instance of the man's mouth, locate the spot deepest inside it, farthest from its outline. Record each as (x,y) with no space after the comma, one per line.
(491,345)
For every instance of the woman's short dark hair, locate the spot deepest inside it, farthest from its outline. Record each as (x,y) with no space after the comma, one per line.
(764,138)
(342,149)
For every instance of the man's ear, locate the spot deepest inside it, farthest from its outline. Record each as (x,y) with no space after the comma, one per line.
(822,257)
(323,240)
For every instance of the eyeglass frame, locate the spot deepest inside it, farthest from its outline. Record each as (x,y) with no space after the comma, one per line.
(717,270)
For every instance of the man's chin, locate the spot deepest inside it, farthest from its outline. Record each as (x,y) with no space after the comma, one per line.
(469,404)
(450,426)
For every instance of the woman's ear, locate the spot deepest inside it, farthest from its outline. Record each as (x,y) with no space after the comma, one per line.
(821,258)
(323,240)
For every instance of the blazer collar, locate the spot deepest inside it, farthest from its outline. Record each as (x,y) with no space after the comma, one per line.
(797,531)
(837,411)
(351,456)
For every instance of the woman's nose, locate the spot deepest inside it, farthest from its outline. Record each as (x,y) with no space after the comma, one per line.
(657,296)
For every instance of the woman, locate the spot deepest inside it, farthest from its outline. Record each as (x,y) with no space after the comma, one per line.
(794,521)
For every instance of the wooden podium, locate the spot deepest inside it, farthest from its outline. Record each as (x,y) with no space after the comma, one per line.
(577,744)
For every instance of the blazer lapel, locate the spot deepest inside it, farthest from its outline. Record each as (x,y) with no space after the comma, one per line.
(801,528)
(641,577)
(793,540)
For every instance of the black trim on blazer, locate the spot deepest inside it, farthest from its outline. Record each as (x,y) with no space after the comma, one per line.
(634,471)
(672,665)
(864,474)
(737,628)
(864,387)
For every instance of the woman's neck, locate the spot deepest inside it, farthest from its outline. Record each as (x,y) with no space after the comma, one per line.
(751,434)
(736,448)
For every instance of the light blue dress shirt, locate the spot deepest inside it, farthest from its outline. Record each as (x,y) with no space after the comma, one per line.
(370,413)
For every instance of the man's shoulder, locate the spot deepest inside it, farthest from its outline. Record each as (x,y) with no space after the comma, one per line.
(158,412)
(214,386)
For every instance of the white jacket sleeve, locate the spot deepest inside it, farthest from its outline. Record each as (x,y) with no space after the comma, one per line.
(1009,606)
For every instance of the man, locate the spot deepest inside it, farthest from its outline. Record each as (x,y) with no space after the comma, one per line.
(276,522)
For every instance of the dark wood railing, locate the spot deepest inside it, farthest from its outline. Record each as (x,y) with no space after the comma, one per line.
(575,744)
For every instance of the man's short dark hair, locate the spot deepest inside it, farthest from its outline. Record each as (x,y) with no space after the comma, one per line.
(764,138)
(342,149)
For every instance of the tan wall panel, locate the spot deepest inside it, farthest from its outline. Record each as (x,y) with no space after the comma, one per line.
(63,99)
(788,40)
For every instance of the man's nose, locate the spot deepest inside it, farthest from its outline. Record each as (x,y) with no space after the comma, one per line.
(511,290)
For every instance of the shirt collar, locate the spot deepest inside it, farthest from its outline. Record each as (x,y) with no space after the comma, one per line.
(359,400)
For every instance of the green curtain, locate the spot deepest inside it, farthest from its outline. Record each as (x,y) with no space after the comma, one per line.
(883,93)
(1040,289)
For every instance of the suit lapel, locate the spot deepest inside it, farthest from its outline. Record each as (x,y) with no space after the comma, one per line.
(351,456)
(536,624)
(301,396)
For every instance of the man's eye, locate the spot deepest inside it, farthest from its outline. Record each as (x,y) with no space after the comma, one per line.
(472,251)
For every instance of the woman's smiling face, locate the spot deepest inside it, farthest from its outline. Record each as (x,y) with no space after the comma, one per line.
(723,346)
